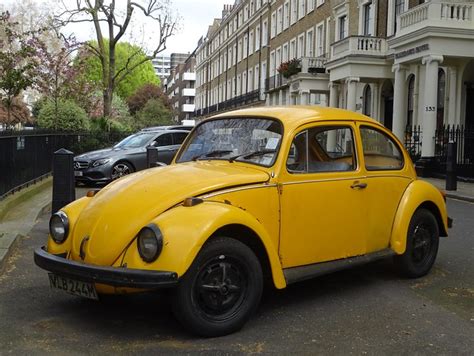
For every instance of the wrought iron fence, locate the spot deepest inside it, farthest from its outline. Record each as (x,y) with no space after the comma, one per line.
(461,135)
(26,156)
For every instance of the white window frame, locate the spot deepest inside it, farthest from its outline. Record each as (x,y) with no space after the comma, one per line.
(309,47)
(301,9)
(292,51)
(257,38)
(294,11)
(311,5)
(251,42)
(273,25)
(286,15)
(279,19)
(300,46)
(320,39)
(265,33)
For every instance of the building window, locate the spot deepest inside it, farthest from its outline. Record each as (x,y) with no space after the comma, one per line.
(311,4)
(399,8)
(320,40)
(273,25)
(300,48)
(264,33)
(286,15)
(367,19)
(440,98)
(309,43)
(411,99)
(294,11)
(342,27)
(302,10)
(367,109)
(251,42)
(279,20)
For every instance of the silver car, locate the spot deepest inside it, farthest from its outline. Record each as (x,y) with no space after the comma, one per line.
(127,156)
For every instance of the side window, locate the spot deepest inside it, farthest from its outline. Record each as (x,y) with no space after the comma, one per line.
(163,140)
(380,151)
(322,149)
(178,137)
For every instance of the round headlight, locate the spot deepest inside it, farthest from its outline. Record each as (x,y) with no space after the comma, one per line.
(59,227)
(150,243)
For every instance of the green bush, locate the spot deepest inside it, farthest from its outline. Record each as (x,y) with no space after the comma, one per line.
(154,113)
(67,116)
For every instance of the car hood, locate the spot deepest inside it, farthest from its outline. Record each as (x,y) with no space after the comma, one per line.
(117,213)
(95,155)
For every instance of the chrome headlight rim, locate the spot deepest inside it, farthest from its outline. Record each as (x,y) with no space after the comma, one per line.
(65,222)
(158,239)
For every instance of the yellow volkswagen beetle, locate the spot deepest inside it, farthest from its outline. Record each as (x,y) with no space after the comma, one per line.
(284,194)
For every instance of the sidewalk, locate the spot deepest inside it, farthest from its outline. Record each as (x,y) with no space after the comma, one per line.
(465,191)
(20,219)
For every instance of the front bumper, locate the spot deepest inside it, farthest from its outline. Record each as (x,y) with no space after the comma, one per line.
(112,276)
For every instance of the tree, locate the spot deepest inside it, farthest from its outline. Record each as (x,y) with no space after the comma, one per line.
(138,100)
(154,113)
(116,21)
(142,74)
(18,62)
(19,113)
(64,115)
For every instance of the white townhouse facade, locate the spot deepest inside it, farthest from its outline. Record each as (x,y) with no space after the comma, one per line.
(407,63)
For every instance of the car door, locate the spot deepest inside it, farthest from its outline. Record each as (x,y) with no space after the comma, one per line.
(164,144)
(322,203)
(387,179)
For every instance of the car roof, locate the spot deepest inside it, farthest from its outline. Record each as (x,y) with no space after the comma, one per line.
(167,128)
(296,115)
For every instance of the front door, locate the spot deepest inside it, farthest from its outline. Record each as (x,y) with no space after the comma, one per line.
(322,197)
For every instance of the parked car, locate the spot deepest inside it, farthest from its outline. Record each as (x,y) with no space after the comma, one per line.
(127,156)
(286,193)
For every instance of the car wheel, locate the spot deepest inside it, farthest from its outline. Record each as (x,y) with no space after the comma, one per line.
(422,245)
(121,169)
(221,289)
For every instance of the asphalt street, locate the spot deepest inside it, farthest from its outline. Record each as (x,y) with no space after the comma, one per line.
(365,310)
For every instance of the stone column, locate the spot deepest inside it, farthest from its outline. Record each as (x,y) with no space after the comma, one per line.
(453,83)
(304,97)
(351,93)
(399,101)
(430,97)
(376,101)
(333,94)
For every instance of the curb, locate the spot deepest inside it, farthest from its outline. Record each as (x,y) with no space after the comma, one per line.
(460,197)
(8,242)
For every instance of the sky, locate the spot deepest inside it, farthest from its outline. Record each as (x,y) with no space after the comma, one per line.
(195,17)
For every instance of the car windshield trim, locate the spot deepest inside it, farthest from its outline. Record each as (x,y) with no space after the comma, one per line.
(249,139)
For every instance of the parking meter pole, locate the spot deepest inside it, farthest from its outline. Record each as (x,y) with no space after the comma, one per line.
(64,190)
(451,178)
(151,156)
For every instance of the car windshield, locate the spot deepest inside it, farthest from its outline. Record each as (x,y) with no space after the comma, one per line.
(252,140)
(136,140)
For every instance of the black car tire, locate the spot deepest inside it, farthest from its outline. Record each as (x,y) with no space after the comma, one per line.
(121,169)
(221,289)
(422,245)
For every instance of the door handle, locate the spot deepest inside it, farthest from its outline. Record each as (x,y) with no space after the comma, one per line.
(359,185)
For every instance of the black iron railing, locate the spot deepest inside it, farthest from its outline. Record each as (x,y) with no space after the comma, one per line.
(27,155)
(459,134)
(245,99)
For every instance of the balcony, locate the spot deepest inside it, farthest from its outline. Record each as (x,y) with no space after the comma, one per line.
(189,76)
(359,46)
(189,92)
(188,107)
(313,64)
(238,101)
(437,13)
(275,82)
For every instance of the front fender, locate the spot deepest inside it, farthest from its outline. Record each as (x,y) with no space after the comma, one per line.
(186,229)
(418,193)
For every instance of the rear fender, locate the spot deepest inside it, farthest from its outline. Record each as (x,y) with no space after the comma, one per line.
(418,194)
(186,229)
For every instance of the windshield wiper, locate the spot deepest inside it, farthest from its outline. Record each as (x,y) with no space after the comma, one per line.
(212,154)
(251,154)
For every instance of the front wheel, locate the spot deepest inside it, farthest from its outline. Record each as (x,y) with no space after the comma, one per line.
(221,289)
(422,245)
(121,169)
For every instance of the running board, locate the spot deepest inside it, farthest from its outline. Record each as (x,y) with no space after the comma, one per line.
(302,273)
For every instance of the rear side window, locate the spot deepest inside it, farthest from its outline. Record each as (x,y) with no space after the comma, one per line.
(178,137)
(322,149)
(380,151)
(163,140)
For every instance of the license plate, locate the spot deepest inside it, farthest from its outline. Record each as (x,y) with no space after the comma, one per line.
(79,288)
(78,173)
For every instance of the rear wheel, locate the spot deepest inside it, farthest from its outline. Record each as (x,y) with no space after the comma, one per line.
(422,245)
(220,290)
